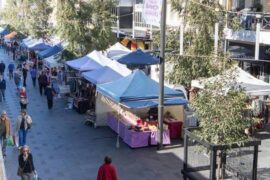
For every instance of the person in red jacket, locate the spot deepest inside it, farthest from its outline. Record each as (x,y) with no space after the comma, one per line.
(107,171)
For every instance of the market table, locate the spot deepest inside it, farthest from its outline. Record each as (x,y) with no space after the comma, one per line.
(175,128)
(135,139)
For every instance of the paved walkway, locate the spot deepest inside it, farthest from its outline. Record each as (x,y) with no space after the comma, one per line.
(64,148)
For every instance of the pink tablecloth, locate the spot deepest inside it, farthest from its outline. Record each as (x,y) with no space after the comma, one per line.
(154,137)
(133,138)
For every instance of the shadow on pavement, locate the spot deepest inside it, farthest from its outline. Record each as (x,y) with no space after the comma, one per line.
(263,173)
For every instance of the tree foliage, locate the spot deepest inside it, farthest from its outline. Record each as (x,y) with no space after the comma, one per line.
(29,17)
(39,19)
(85,25)
(199,59)
(16,15)
(221,109)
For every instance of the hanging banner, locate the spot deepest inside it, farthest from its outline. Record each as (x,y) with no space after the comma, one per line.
(152,12)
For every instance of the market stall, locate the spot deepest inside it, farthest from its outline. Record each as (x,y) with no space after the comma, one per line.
(128,102)
(84,63)
(256,89)
(91,62)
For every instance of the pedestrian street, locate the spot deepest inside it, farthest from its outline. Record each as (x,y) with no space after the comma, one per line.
(63,148)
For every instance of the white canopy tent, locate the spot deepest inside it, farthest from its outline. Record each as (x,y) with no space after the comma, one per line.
(251,85)
(99,57)
(116,50)
(50,62)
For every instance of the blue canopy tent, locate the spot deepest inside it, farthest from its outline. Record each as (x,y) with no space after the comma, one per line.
(40,47)
(138,58)
(102,75)
(4,31)
(50,51)
(137,91)
(84,63)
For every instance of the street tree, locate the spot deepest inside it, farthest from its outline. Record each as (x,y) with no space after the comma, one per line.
(199,59)
(85,25)
(16,14)
(38,23)
(222,109)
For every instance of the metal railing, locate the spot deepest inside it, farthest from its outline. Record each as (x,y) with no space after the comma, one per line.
(248,21)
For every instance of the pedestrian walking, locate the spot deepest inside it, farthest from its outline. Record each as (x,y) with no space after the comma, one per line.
(23,124)
(26,168)
(11,68)
(107,171)
(49,92)
(23,98)
(4,131)
(2,68)
(24,72)
(42,82)
(33,73)
(2,88)
(18,78)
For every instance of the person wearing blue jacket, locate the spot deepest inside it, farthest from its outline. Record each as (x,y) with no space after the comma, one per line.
(2,88)
(33,73)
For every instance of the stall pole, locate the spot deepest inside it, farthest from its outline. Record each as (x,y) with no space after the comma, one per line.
(28,54)
(161,73)
(117,139)
(257,42)
(118,22)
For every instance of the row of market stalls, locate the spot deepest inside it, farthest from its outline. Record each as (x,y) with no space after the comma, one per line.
(100,83)
(122,99)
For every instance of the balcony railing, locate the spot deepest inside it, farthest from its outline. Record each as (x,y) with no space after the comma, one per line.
(248,21)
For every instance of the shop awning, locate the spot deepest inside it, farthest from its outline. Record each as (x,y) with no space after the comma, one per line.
(10,35)
(136,86)
(116,50)
(138,58)
(84,63)
(50,51)
(102,75)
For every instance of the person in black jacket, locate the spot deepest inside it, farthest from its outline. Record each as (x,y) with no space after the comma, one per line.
(2,68)
(2,88)
(24,71)
(42,82)
(26,164)
(49,92)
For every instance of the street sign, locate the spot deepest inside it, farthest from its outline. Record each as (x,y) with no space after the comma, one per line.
(152,12)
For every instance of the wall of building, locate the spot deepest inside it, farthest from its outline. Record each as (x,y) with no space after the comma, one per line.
(266,6)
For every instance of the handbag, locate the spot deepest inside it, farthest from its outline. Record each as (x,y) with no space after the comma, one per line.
(20,171)
(36,177)
(10,141)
